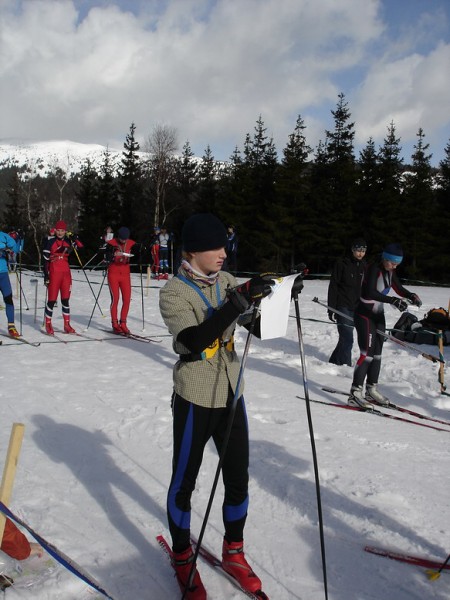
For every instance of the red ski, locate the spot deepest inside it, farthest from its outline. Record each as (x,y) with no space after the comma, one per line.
(418,561)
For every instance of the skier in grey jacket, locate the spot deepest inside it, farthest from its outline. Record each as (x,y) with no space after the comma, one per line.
(201,306)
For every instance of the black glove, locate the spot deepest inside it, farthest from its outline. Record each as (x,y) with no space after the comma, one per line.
(255,289)
(416,300)
(400,304)
(297,286)
(332,316)
(46,282)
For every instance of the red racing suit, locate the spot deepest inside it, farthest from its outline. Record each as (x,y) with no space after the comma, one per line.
(118,255)
(56,266)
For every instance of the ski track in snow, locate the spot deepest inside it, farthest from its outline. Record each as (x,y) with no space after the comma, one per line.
(96,457)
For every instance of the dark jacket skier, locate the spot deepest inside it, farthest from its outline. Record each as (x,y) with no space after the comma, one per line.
(343,295)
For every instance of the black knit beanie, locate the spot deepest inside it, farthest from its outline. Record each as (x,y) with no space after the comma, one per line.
(202,232)
(123,233)
(359,243)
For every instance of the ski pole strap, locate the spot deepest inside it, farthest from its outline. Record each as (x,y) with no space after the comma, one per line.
(62,558)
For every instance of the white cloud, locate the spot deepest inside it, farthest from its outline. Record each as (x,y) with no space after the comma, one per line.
(84,70)
(412,91)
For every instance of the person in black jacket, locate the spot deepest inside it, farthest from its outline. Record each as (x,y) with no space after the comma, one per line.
(379,280)
(343,295)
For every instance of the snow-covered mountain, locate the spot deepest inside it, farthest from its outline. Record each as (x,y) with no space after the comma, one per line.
(44,157)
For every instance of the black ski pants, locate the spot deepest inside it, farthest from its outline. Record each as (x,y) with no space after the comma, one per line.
(370,344)
(193,426)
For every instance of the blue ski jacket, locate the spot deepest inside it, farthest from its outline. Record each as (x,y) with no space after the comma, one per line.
(6,243)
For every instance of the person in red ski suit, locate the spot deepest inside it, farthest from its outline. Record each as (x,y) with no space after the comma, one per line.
(57,275)
(117,255)
(155,252)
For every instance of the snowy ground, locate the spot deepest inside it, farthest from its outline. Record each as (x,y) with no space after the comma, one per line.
(95,461)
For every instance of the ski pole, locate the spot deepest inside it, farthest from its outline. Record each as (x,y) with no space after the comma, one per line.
(45,303)
(91,259)
(87,279)
(147,284)
(313,444)
(142,287)
(386,335)
(223,450)
(441,366)
(35,282)
(431,574)
(96,300)
(22,293)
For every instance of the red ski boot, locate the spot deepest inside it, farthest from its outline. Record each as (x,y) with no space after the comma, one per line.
(124,328)
(13,331)
(49,327)
(182,563)
(68,327)
(116,328)
(235,563)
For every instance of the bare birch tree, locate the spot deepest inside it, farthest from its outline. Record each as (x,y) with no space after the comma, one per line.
(61,176)
(161,145)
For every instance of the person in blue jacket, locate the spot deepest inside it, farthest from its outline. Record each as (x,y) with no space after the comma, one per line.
(8,246)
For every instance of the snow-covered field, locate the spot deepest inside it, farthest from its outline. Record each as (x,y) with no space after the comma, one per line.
(96,457)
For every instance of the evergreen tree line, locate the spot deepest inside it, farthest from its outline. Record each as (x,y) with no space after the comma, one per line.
(303,207)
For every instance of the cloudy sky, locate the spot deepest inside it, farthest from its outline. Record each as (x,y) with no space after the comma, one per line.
(83,70)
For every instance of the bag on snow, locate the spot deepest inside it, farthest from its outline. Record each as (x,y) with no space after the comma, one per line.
(409,329)
(437,318)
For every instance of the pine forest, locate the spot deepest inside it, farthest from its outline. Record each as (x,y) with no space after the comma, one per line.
(300,205)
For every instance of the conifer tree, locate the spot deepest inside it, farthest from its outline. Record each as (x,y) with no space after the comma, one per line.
(108,197)
(207,183)
(367,191)
(187,179)
(418,207)
(15,213)
(441,224)
(231,193)
(259,214)
(91,219)
(341,177)
(319,203)
(294,221)
(387,214)
(134,211)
